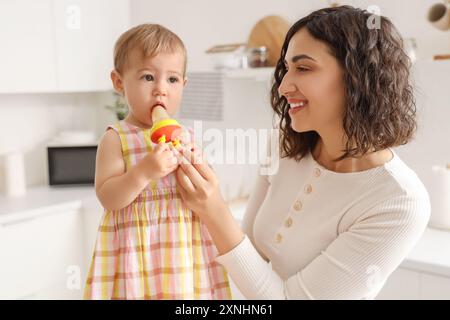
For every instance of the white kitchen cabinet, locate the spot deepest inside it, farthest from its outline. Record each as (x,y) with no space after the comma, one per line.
(92,215)
(18,252)
(59,45)
(434,287)
(85,35)
(403,284)
(42,256)
(27,57)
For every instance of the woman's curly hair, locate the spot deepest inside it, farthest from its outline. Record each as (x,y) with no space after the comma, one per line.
(381,107)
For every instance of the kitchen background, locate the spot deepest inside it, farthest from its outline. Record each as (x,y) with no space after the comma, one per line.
(55,62)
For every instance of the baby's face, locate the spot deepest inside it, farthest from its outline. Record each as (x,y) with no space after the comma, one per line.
(158,80)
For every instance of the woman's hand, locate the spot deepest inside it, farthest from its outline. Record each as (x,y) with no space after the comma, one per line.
(198,184)
(199,188)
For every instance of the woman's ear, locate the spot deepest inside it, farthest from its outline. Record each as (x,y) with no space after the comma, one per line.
(117,82)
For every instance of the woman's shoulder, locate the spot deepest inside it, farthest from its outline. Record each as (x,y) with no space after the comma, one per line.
(401,192)
(404,178)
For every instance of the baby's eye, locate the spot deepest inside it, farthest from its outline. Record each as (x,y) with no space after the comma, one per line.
(148,77)
(173,79)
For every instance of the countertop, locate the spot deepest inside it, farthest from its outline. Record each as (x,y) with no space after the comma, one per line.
(430,255)
(42,199)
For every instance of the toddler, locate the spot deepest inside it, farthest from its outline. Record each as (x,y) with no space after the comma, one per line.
(149,244)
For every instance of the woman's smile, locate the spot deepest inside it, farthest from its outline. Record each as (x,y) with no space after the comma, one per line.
(297,105)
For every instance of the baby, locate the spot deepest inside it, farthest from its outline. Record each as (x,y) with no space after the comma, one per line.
(149,244)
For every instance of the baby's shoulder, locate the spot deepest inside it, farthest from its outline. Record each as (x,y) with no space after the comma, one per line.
(110,141)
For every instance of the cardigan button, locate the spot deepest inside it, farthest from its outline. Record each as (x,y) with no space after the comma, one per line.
(317,172)
(278,238)
(308,189)
(298,205)
(288,222)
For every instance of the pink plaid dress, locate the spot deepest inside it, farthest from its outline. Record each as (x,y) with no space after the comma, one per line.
(154,248)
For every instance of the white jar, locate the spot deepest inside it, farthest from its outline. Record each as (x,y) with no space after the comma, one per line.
(15,183)
(440,198)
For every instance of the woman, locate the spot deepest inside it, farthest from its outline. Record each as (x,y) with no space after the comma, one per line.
(343,210)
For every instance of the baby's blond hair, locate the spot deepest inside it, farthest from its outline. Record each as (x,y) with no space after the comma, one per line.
(151,39)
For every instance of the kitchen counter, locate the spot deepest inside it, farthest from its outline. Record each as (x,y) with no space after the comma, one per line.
(42,200)
(430,255)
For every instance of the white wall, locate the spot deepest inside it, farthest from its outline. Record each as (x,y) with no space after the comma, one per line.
(29,121)
(431,145)
(204,23)
(410,18)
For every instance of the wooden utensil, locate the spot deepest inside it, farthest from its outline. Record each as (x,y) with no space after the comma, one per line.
(270,32)
(441,57)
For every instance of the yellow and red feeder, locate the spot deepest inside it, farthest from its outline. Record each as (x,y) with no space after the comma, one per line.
(165,131)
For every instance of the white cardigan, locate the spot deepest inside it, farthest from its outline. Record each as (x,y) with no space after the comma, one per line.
(312,233)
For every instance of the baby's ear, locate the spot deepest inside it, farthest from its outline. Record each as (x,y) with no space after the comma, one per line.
(116,79)
(185,81)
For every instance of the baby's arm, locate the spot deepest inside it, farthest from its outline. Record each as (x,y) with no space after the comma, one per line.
(117,188)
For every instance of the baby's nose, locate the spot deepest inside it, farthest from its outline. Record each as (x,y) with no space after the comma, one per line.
(159,91)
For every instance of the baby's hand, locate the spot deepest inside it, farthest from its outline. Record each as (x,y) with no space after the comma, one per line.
(159,162)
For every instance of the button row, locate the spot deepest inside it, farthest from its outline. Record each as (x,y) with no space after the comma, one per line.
(297,206)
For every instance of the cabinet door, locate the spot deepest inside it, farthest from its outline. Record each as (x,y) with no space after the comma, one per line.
(86,32)
(92,215)
(27,58)
(18,252)
(434,287)
(60,263)
(40,254)
(403,284)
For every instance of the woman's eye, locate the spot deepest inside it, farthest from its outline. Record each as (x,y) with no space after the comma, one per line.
(302,69)
(173,79)
(148,77)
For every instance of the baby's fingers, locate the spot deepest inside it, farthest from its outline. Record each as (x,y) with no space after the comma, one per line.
(161,147)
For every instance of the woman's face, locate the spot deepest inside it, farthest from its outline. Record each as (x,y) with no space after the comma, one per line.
(313,85)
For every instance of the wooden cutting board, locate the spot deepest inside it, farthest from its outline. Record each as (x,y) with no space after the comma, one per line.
(270,32)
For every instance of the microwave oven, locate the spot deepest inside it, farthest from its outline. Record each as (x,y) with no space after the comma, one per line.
(71,164)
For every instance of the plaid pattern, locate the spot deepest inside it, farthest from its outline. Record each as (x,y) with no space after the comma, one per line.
(154,248)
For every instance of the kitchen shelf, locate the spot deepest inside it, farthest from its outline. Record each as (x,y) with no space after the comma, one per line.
(258,74)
